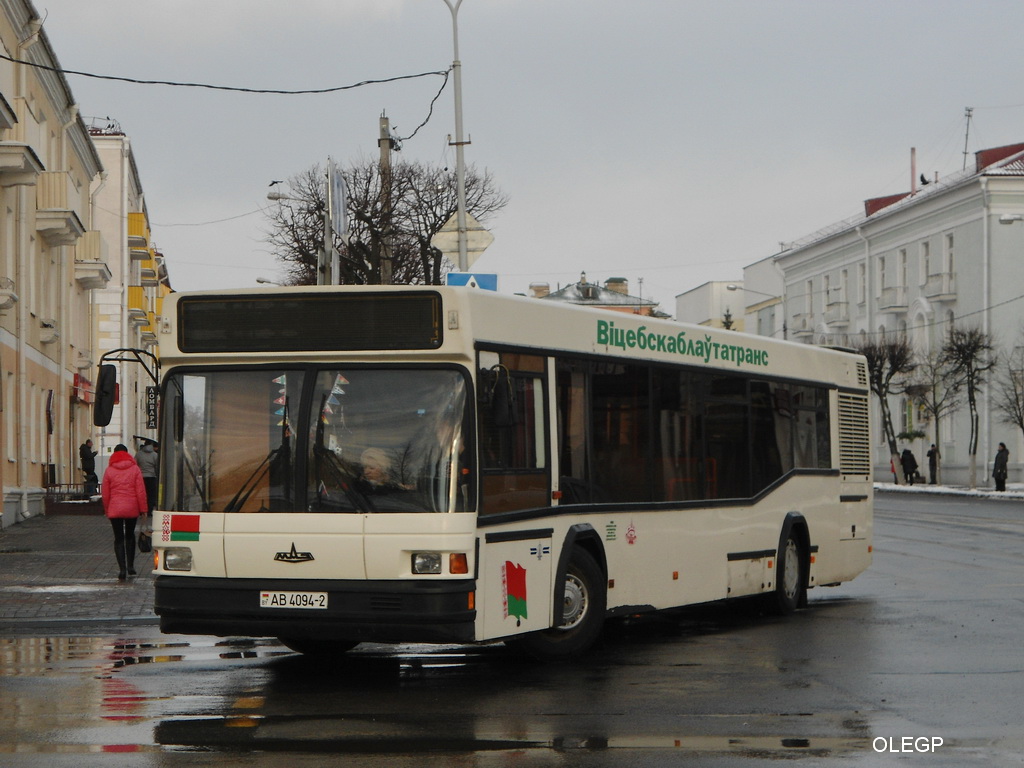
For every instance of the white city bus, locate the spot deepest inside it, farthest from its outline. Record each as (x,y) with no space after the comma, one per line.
(434,464)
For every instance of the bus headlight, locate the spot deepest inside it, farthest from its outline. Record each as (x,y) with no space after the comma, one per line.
(426,562)
(178,559)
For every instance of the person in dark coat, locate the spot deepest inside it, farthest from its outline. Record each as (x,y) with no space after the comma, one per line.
(999,467)
(87,457)
(909,465)
(149,463)
(933,463)
(124,499)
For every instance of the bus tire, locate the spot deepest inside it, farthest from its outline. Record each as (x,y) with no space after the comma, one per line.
(790,578)
(309,647)
(584,607)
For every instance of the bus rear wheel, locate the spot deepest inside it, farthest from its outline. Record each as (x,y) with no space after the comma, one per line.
(790,579)
(583,608)
(310,647)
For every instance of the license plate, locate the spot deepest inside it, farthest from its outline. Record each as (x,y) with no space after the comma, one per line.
(293,600)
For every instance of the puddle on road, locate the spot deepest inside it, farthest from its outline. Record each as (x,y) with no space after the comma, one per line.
(374,735)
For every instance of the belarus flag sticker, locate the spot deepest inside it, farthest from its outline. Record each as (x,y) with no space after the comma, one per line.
(184,527)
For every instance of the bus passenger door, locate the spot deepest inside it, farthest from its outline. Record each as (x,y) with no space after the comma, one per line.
(515,582)
(512,406)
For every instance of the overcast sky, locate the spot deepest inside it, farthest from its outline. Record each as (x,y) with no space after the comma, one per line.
(672,141)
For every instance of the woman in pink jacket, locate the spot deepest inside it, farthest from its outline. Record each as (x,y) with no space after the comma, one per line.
(124,499)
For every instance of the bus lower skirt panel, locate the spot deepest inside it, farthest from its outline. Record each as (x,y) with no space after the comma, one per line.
(371,611)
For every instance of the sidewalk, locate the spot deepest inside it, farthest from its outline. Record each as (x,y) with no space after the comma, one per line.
(60,569)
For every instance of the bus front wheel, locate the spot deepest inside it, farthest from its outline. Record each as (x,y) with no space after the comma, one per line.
(583,609)
(790,579)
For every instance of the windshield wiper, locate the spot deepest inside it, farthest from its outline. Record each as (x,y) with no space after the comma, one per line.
(250,485)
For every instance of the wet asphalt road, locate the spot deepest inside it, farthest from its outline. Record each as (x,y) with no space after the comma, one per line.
(924,647)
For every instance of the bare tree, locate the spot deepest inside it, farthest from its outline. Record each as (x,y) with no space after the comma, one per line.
(1008,386)
(890,361)
(397,213)
(938,390)
(968,354)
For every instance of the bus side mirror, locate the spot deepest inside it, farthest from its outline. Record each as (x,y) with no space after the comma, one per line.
(106,395)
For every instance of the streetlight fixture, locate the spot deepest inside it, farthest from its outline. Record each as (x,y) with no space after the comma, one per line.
(460,161)
(781,299)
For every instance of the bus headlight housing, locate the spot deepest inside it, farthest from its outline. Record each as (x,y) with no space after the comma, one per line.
(426,562)
(178,559)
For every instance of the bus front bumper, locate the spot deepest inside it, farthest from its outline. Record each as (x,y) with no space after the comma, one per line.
(363,611)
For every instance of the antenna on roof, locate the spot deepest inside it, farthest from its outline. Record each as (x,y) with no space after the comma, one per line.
(968,111)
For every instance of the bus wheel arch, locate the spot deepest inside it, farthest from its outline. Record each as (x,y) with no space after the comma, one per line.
(580,600)
(792,567)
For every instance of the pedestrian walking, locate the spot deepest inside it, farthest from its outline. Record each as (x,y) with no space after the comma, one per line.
(933,463)
(124,499)
(909,464)
(148,460)
(999,467)
(87,458)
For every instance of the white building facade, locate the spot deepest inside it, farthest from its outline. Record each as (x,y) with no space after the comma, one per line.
(949,252)
(79,275)
(128,307)
(50,262)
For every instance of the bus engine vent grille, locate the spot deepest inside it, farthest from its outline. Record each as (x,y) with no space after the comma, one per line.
(862,374)
(854,435)
(389,603)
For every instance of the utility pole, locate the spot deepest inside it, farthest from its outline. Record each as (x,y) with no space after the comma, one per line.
(386,144)
(460,160)
(967,113)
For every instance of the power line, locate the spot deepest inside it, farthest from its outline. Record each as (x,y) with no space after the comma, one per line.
(204,223)
(236,89)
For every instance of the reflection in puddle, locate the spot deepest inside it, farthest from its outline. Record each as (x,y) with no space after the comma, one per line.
(376,735)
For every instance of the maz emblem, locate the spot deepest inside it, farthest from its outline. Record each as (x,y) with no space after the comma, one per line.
(293,556)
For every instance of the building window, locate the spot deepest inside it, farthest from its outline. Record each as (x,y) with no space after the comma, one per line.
(926,257)
(901,277)
(862,283)
(881,274)
(949,254)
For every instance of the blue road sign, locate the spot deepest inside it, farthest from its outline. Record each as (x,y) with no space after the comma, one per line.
(487,282)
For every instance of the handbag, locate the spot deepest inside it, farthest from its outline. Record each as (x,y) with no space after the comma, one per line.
(145,541)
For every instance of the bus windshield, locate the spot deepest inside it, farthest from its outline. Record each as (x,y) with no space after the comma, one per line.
(315,440)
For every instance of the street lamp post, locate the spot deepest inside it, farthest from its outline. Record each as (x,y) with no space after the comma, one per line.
(460,161)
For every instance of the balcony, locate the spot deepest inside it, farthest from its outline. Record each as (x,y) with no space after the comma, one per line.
(8,296)
(57,199)
(940,287)
(48,331)
(8,117)
(138,232)
(893,299)
(91,270)
(148,331)
(802,325)
(137,314)
(19,164)
(139,254)
(837,314)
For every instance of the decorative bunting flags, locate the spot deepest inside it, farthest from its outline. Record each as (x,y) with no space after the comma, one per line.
(282,401)
(332,400)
